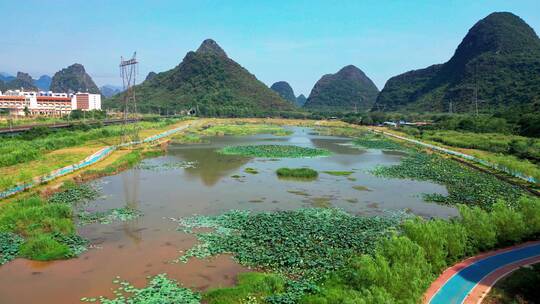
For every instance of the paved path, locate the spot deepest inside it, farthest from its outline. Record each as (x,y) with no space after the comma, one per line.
(471,280)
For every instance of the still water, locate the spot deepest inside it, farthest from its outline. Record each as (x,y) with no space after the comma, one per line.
(162,189)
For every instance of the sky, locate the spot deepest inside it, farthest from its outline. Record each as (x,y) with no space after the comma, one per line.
(294,41)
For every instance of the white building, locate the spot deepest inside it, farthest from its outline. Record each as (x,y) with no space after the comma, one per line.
(47,103)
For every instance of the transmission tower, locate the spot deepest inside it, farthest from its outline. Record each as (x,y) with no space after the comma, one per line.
(128,72)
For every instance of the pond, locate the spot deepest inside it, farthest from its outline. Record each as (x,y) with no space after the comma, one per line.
(195,179)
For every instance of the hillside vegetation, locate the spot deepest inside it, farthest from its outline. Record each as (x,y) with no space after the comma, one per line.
(209,82)
(497,63)
(345,91)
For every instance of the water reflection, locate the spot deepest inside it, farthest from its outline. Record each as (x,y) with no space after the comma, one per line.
(131,185)
(210,166)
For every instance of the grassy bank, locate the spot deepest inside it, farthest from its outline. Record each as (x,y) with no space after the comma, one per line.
(45,226)
(40,152)
(517,153)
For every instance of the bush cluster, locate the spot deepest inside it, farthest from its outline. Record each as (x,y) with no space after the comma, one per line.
(403,266)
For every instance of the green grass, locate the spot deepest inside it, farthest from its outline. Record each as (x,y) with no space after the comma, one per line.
(251,286)
(32,146)
(274,151)
(38,222)
(44,247)
(339,173)
(377,141)
(41,229)
(299,173)
(187,139)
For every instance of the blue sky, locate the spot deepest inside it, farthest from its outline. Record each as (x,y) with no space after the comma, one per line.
(295,41)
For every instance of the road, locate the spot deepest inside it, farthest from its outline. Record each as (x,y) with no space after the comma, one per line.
(470,280)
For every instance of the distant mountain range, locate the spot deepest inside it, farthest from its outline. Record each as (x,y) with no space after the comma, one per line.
(284,90)
(209,81)
(301,100)
(347,90)
(109,90)
(496,67)
(25,81)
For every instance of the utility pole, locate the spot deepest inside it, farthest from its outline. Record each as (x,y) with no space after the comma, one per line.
(128,72)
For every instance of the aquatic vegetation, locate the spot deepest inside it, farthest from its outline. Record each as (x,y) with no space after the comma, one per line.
(361,188)
(339,173)
(352,179)
(402,267)
(297,173)
(377,141)
(159,289)
(304,243)
(245,129)
(75,243)
(465,185)
(168,166)
(299,192)
(71,192)
(274,151)
(251,170)
(10,244)
(106,217)
(320,202)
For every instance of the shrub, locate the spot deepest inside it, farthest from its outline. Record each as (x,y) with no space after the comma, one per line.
(397,272)
(508,223)
(443,242)
(43,248)
(480,229)
(530,209)
(302,173)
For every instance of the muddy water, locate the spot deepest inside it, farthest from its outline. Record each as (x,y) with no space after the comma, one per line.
(161,190)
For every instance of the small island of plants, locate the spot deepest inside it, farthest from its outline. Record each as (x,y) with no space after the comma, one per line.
(274,151)
(297,173)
